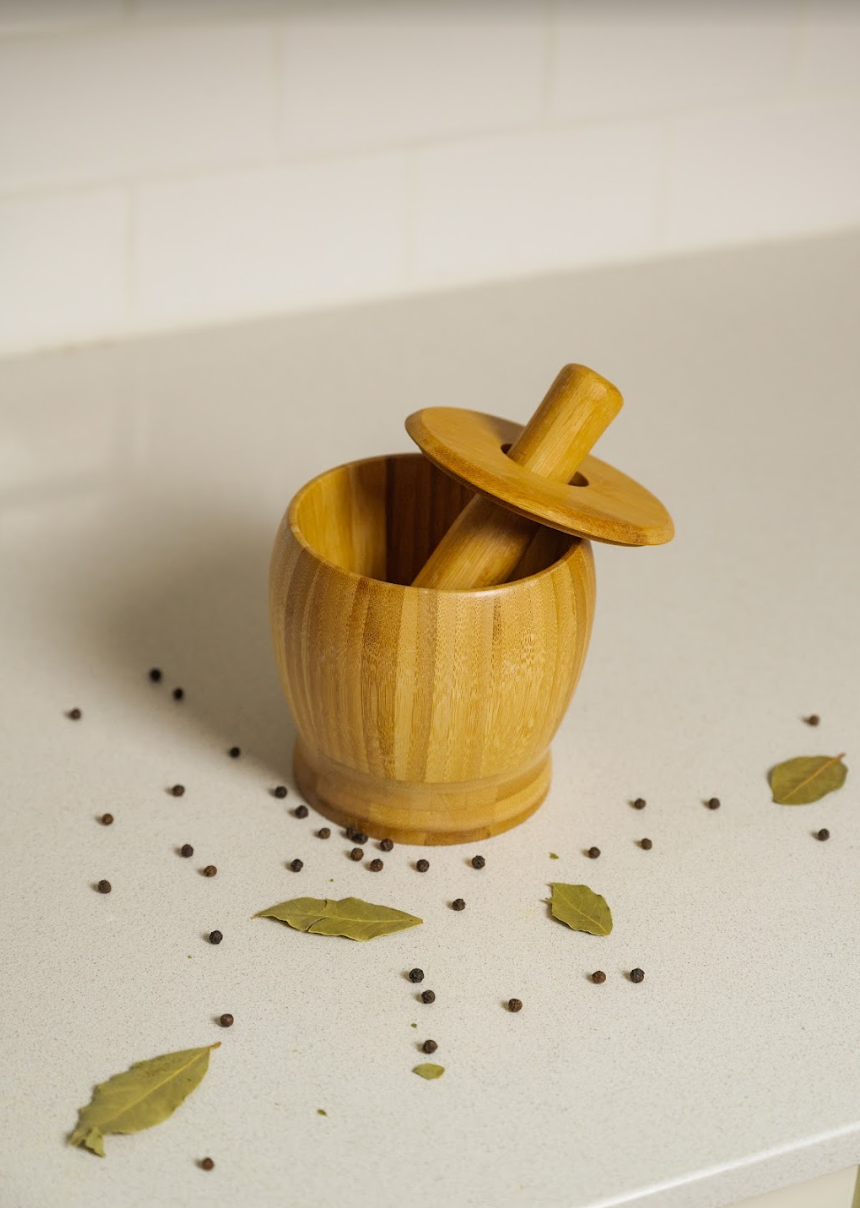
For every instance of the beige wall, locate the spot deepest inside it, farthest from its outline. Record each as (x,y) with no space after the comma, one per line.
(172,162)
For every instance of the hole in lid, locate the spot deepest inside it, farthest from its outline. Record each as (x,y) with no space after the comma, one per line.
(578,480)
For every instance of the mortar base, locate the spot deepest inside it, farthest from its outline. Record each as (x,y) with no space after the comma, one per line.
(429,814)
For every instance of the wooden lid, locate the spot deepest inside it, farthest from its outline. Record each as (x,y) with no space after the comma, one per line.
(601,503)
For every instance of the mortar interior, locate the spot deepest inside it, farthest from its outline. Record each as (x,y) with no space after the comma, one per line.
(383,517)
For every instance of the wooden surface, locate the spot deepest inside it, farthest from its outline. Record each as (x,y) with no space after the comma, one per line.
(422,715)
(486,541)
(602,503)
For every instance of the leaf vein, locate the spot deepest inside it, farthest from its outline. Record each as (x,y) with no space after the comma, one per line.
(812,775)
(151,1090)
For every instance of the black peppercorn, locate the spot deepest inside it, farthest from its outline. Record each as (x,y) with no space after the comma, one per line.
(215,937)
(359,837)
(422,865)
(429,1046)
(349,833)
(646,844)
(210,870)
(178,693)
(186,850)
(178,790)
(386,844)
(593,853)
(280,791)
(514,1005)
(296,865)
(74,714)
(714,803)
(207,1164)
(301,811)
(478,861)
(104,886)
(637,975)
(155,675)
(639,803)
(458,904)
(416,975)
(824,833)
(226,1020)
(356,854)
(598,976)
(107,819)
(235,752)
(324,833)
(376,866)
(428,996)
(812,720)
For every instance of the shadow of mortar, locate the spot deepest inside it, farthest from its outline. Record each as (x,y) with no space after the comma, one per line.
(196,606)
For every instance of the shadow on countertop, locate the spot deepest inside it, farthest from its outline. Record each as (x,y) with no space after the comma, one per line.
(191,601)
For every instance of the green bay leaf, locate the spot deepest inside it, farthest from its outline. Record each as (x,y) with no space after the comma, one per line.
(144,1095)
(807,778)
(429,1070)
(350,917)
(581,908)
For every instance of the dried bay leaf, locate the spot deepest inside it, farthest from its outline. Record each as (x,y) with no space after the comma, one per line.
(350,917)
(429,1070)
(581,908)
(144,1095)
(807,778)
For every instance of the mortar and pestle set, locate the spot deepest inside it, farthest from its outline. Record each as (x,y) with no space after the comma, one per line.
(431,612)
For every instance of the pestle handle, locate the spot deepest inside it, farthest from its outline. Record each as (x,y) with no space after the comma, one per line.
(486,541)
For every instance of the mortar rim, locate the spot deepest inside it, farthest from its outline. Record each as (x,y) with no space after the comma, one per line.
(493,589)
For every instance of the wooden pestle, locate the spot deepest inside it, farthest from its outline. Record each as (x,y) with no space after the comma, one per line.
(486,542)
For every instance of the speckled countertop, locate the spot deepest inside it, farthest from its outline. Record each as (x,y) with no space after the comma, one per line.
(141,488)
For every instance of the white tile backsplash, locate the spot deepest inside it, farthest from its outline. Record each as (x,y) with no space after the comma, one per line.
(304,235)
(101,105)
(64,268)
(385,73)
(26,16)
(533,202)
(784,170)
(614,57)
(207,11)
(179,161)
(831,46)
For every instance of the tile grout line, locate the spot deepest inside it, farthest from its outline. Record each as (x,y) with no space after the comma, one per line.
(666,156)
(410,218)
(343,154)
(278,34)
(203,320)
(549,58)
(126,22)
(801,41)
(132,283)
